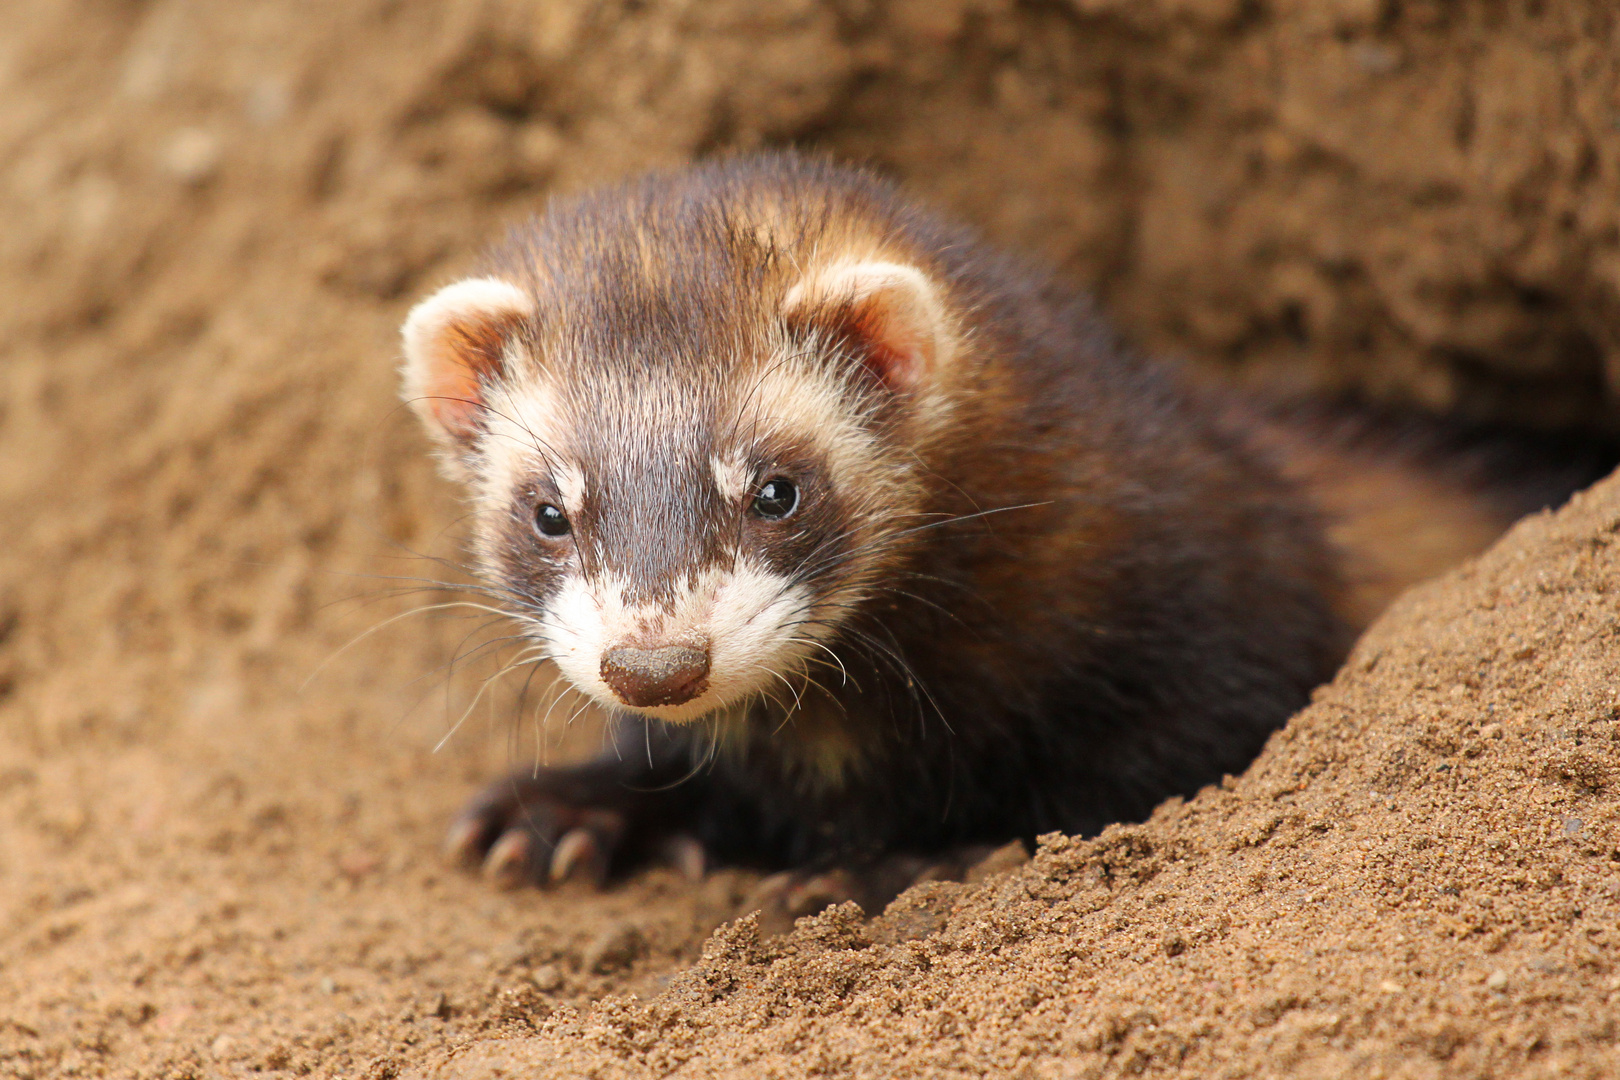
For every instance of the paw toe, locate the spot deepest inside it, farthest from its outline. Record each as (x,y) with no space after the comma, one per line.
(810,895)
(466,840)
(509,863)
(683,852)
(579,855)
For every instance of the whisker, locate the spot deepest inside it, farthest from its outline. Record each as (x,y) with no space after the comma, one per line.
(389,622)
(470,706)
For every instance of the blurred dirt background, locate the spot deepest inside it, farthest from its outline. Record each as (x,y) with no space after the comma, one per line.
(220,804)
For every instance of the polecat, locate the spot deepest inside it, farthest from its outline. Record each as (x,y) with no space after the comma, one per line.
(876,539)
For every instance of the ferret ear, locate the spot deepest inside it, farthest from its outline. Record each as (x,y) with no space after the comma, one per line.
(891,312)
(455,342)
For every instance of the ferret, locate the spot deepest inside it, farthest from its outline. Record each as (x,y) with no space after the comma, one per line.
(877,541)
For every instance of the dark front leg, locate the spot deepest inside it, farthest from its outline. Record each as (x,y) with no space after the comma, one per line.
(590,821)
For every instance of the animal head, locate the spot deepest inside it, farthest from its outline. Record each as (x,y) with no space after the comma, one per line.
(688,413)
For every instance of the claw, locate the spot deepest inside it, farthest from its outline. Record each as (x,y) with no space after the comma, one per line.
(769,894)
(775,887)
(686,854)
(578,853)
(507,864)
(464,841)
(816,893)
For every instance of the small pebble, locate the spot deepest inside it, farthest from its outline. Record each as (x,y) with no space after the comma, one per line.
(539,145)
(1376,58)
(268,101)
(355,865)
(512,954)
(192,156)
(546,978)
(1497,980)
(616,947)
(328,985)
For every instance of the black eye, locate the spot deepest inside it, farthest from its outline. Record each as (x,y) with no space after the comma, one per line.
(550,521)
(776,499)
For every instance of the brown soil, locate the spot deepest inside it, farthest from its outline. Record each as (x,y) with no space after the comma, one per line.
(218,831)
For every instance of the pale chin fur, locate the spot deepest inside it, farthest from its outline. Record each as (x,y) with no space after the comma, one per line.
(756,623)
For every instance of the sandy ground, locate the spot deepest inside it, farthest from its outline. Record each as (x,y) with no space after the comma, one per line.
(224,762)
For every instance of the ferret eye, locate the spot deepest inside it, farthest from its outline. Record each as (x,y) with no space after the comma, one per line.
(776,499)
(550,521)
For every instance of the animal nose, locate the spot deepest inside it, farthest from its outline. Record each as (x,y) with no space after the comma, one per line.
(671,675)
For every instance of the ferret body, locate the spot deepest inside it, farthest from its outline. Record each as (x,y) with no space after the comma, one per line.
(877,540)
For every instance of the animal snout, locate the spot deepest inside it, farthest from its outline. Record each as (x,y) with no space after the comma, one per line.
(670,675)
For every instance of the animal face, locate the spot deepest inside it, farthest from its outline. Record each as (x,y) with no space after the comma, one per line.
(685,515)
(678,552)
(689,414)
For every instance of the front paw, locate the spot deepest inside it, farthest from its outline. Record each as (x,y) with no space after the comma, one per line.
(564,825)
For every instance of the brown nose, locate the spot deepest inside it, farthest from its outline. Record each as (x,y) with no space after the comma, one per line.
(671,675)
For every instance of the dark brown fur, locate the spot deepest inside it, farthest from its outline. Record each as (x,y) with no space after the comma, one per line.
(1164,581)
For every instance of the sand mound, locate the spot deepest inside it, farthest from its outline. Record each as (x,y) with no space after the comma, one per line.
(219,792)
(1420,876)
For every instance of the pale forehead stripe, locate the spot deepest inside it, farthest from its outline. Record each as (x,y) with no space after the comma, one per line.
(526,438)
(571,484)
(730,476)
(811,406)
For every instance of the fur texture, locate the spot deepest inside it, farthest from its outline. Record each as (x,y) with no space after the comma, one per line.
(1032,581)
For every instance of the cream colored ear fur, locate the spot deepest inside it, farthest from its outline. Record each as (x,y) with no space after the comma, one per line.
(893,307)
(455,342)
